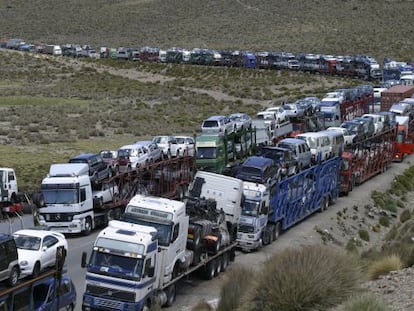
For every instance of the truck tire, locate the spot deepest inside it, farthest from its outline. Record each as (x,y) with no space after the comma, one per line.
(266,236)
(210,270)
(171,295)
(218,264)
(276,231)
(225,261)
(88,226)
(195,243)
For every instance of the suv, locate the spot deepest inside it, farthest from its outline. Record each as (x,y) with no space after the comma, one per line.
(168,145)
(9,262)
(218,124)
(98,169)
(260,170)
(282,156)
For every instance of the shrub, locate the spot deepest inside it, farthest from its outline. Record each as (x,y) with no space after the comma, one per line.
(365,301)
(310,278)
(202,306)
(405,215)
(363,234)
(383,266)
(234,289)
(384,221)
(404,250)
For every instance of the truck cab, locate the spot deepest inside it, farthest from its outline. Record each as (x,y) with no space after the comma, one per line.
(8,184)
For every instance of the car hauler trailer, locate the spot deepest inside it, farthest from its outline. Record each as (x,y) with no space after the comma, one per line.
(269,210)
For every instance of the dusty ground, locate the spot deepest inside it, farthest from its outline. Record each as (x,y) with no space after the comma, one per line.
(305,233)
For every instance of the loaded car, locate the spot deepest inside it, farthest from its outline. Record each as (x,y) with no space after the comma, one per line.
(167,144)
(241,120)
(98,169)
(283,157)
(110,158)
(260,170)
(185,145)
(37,249)
(218,124)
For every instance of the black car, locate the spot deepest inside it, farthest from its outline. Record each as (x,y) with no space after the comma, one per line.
(259,170)
(283,157)
(9,263)
(98,168)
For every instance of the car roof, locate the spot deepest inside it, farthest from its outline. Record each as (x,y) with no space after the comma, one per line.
(292,141)
(143,143)
(312,134)
(212,118)
(84,156)
(5,237)
(257,161)
(37,233)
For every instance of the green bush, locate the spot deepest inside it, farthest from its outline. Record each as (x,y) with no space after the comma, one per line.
(363,234)
(384,221)
(234,289)
(364,302)
(310,278)
(405,215)
(383,266)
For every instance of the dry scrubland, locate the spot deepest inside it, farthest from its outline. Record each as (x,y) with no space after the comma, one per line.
(377,27)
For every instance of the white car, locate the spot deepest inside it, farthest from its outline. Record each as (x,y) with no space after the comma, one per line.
(37,249)
(280,113)
(185,145)
(104,193)
(242,120)
(167,144)
(348,137)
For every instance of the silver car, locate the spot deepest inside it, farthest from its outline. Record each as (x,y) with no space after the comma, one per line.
(241,120)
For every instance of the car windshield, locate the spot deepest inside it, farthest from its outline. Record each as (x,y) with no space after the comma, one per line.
(180,140)
(27,242)
(210,124)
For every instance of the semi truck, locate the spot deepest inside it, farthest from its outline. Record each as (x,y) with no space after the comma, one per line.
(346,104)
(404,142)
(138,261)
(268,133)
(269,210)
(218,153)
(367,158)
(71,204)
(9,194)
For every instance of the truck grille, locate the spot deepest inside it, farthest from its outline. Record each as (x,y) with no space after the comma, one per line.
(58,217)
(108,293)
(108,304)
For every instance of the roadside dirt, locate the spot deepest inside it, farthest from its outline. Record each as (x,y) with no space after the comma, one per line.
(307,232)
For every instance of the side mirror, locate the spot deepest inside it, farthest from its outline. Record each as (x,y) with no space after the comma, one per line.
(83,260)
(151,272)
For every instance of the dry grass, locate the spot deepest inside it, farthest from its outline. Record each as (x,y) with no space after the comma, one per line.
(309,278)
(383,266)
(365,302)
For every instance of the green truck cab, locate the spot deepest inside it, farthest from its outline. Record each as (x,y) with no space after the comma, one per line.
(219,153)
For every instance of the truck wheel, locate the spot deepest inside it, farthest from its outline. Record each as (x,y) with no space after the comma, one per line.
(117,213)
(171,294)
(146,307)
(217,245)
(225,261)
(276,231)
(266,237)
(219,264)
(13,277)
(209,270)
(324,205)
(88,226)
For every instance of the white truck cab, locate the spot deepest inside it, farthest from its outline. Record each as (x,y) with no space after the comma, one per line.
(8,184)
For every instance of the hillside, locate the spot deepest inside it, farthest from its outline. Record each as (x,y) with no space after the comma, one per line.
(376,27)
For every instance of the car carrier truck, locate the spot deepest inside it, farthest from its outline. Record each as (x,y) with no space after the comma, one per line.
(137,262)
(367,158)
(267,211)
(69,203)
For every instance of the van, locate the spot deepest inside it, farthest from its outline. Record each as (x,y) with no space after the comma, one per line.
(378,121)
(98,168)
(9,262)
(319,144)
(400,109)
(300,149)
(138,154)
(337,141)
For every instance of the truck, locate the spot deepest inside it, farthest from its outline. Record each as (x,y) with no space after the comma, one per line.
(51,49)
(9,195)
(269,133)
(394,95)
(137,262)
(366,158)
(346,104)
(71,204)
(404,143)
(219,153)
(268,211)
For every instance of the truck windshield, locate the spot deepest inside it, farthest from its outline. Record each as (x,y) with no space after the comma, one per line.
(206,153)
(163,230)
(61,196)
(250,208)
(115,265)
(246,229)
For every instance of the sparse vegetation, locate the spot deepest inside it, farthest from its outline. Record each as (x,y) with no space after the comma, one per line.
(312,277)
(365,302)
(363,235)
(383,266)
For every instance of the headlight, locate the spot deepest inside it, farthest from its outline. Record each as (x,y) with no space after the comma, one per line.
(24,263)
